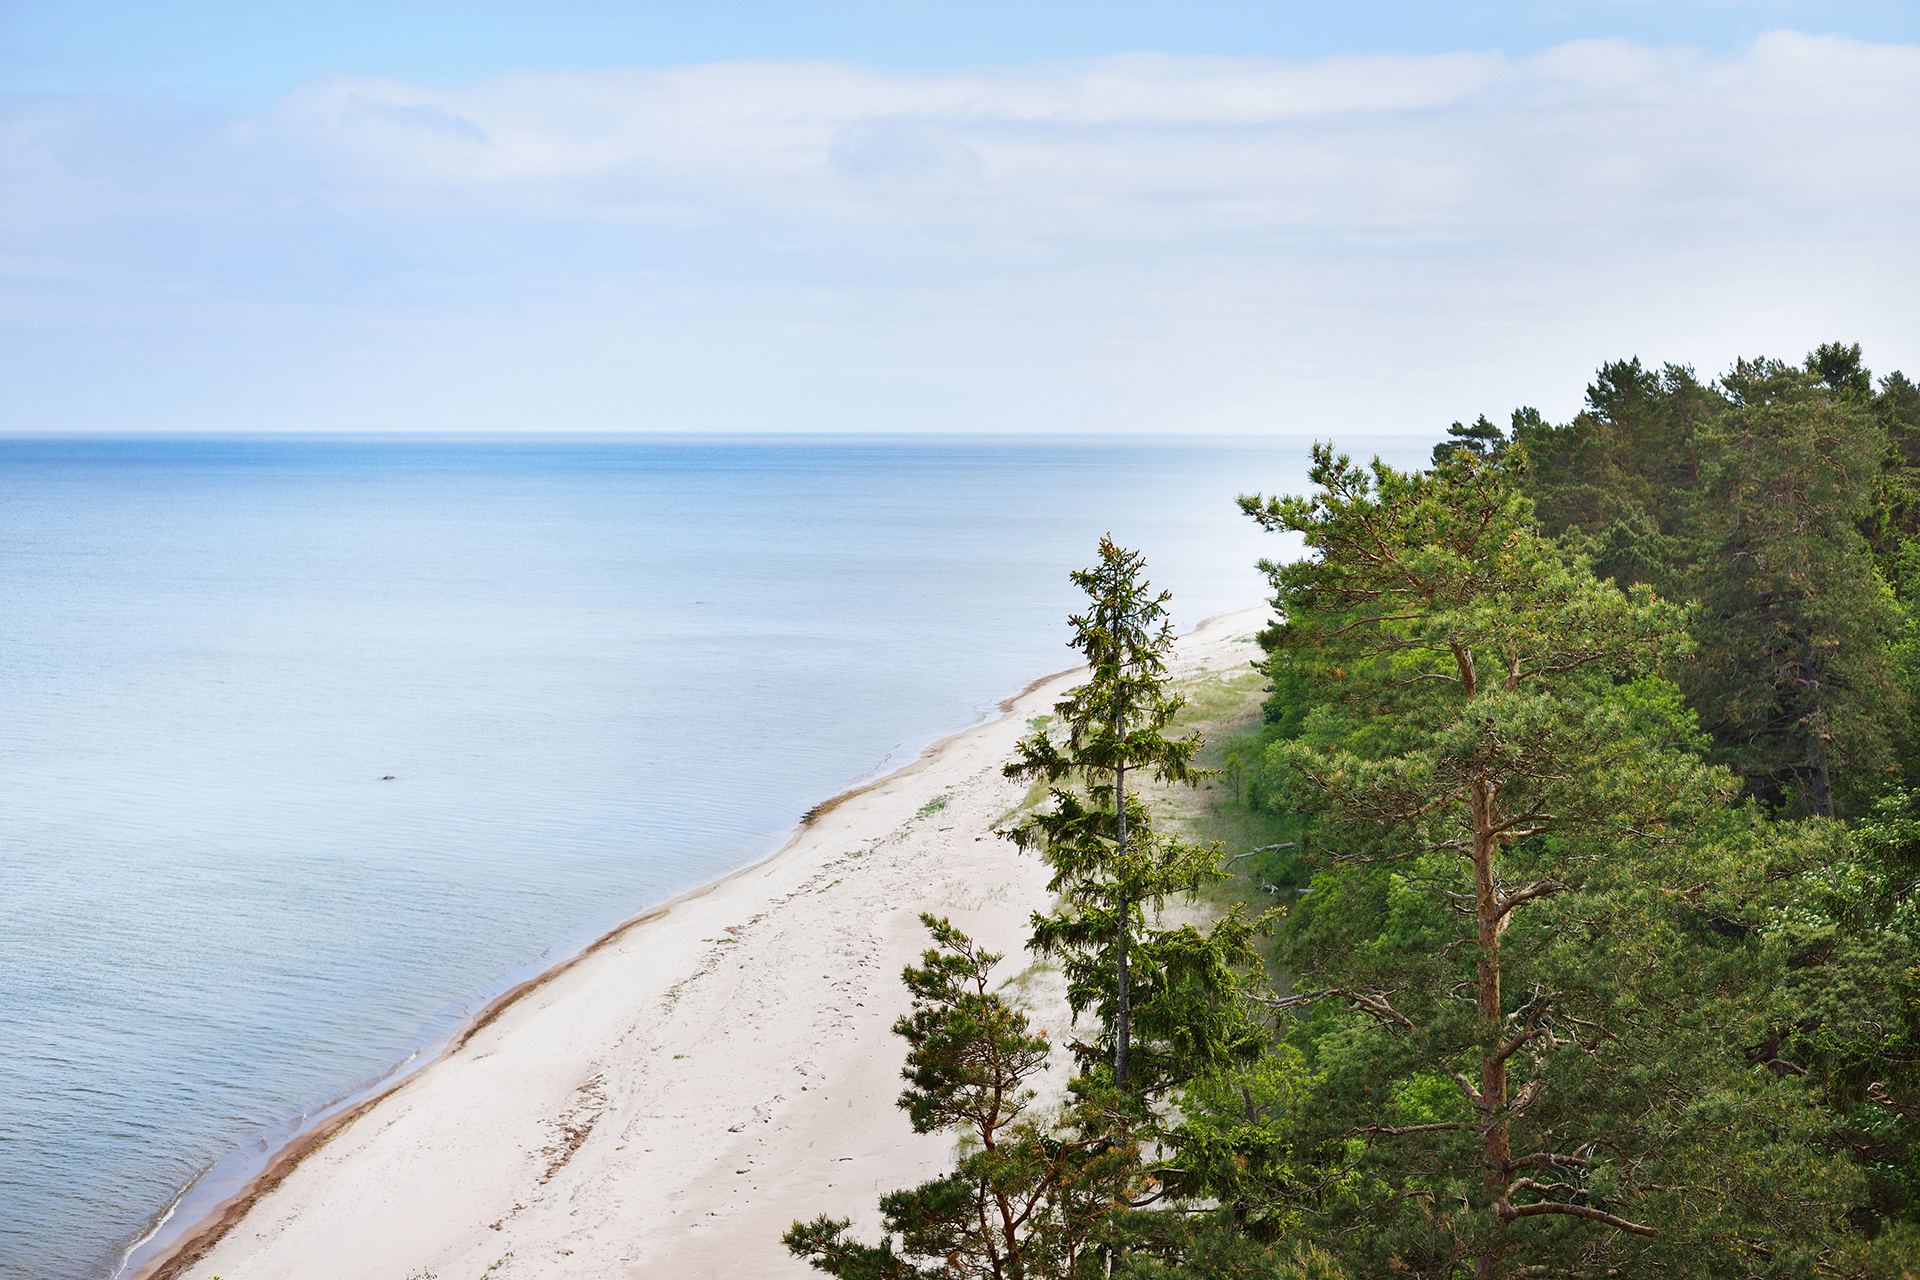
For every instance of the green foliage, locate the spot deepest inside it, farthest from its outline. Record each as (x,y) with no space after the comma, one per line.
(1117,720)
(1795,682)
(1292,692)
(1771,497)
(1786,500)
(1618,481)
(1237,1147)
(1838,366)
(1528,972)
(1847,1006)
(1212,1250)
(968,1050)
(1172,990)
(1581,974)
(1028,1197)
(1482,439)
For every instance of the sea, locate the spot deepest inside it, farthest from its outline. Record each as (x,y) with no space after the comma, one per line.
(311,747)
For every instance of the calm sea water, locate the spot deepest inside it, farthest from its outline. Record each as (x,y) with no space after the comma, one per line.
(599,673)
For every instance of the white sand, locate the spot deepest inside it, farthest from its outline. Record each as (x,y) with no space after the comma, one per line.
(673,1102)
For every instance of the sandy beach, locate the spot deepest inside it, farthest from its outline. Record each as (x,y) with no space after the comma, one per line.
(670,1102)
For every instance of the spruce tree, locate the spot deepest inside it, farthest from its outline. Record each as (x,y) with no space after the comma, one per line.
(1109,863)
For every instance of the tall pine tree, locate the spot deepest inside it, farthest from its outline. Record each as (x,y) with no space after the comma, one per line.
(1527,967)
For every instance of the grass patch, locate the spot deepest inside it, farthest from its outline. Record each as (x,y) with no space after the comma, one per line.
(1227,710)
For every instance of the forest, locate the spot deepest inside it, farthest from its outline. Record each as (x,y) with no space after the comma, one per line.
(1579,933)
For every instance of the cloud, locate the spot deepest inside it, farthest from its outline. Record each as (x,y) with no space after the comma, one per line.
(1131,242)
(1174,144)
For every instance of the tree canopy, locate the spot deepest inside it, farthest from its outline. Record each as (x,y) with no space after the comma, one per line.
(1588,793)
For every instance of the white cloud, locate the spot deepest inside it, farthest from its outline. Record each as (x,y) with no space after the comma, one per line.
(1178,144)
(1135,242)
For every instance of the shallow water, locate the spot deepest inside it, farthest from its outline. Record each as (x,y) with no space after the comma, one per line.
(599,673)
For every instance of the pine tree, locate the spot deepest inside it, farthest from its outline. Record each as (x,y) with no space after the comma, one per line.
(1620,477)
(1482,439)
(1528,970)
(1770,496)
(1031,1194)
(1792,675)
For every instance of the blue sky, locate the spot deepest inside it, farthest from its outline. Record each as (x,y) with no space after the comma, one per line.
(253,51)
(893,216)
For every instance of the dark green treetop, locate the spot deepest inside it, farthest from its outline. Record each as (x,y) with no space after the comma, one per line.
(1620,476)
(1482,439)
(1118,719)
(1792,676)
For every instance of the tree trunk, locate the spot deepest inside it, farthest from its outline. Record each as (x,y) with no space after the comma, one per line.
(1818,780)
(1122,1012)
(1492,1102)
(1496,1155)
(1813,726)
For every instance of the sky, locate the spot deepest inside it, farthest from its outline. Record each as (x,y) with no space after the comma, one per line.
(913,215)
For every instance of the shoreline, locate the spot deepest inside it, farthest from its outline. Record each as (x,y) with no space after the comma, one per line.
(198,1237)
(213,1231)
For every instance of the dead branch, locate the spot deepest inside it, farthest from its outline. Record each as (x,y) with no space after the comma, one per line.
(1265,848)
(1373,1004)
(1390,1131)
(1538,889)
(1553,1158)
(1594,1027)
(1545,1208)
(1544,1188)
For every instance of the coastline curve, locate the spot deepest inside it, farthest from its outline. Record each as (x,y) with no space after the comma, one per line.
(170,1254)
